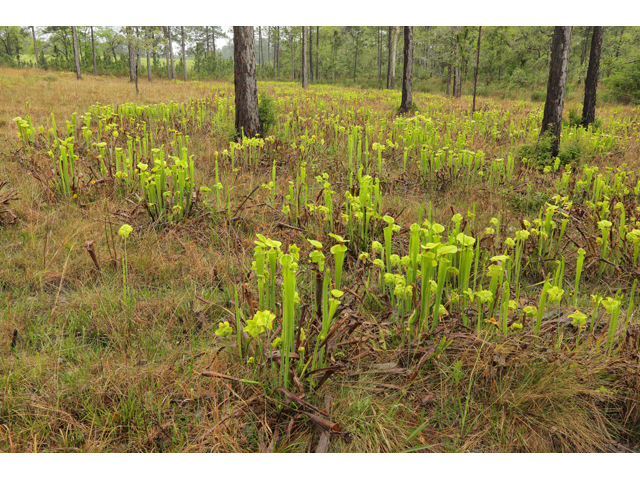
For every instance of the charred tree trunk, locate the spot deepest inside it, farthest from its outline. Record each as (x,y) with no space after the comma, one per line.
(475,75)
(244,79)
(76,53)
(407,77)
(591,82)
(305,80)
(552,119)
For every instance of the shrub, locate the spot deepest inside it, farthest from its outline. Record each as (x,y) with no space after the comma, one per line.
(539,154)
(575,118)
(267,112)
(625,84)
(537,96)
(7,61)
(518,79)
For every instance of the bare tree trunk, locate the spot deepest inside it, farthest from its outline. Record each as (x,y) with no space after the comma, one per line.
(132,54)
(76,53)
(184,54)
(379,42)
(166,51)
(206,41)
(277,52)
(311,54)
(407,77)
(393,57)
(456,67)
(552,119)
(244,79)
(173,66)
(305,81)
(137,54)
(293,66)
(591,82)
(475,75)
(355,62)
(456,81)
(317,53)
(448,79)
(268,48)
(93,51)
(146,34)
(389,48)
(585,45)
(35,47)
(259,56)
(213,45)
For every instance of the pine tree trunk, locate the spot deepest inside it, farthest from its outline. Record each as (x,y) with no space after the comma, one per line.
(132,54)
(393,56)
(475,75)
(184,54)
(206,41)
(455,81)
(407,76)
(305,81)
(552,119)
(76,53)
(379,44)
(148,54)
(244,79)
(355,63)
(277,52)
(173,65)
(137,54)
(311,54)
(448,79)
(317,53)
(591,82)
(93,51)
(213,46)
(35,46)
(293,66)
(166,51)
(389,48)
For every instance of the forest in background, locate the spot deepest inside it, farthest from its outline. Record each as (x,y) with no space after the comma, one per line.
(512,59)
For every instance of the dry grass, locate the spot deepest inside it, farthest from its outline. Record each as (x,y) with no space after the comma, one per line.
(85,368)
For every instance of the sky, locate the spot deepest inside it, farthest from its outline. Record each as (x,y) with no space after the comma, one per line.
(327,12)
